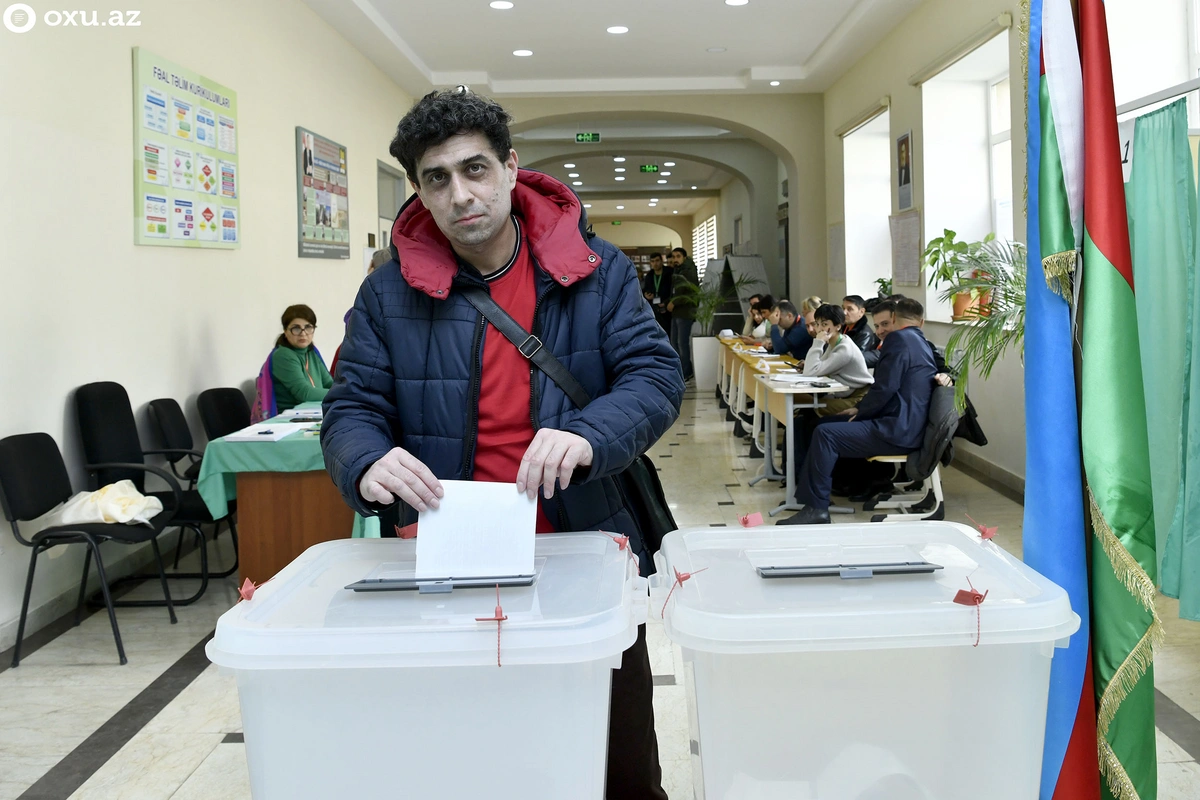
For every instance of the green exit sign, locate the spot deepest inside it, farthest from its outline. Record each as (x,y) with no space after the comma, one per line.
(587,138)
(649,167)
(616,222)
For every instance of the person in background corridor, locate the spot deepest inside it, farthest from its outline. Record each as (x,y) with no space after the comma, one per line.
(683,311)
(656,288)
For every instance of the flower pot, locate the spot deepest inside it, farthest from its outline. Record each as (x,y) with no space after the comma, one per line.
(968,305)
(704,361)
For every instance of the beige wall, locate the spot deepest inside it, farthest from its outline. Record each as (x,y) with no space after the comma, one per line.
(934,28)
(81,303)
(791,126)
(640,232)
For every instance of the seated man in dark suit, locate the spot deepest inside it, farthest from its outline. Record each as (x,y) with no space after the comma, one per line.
(789,336)
(881,315)
(890,420)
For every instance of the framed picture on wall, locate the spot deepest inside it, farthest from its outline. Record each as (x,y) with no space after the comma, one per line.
(904,171)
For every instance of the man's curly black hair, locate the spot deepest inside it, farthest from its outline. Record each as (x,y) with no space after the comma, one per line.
(439,115)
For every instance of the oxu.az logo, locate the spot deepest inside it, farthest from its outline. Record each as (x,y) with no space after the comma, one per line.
(20,18)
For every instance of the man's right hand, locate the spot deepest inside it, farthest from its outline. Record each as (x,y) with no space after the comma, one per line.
(401,474)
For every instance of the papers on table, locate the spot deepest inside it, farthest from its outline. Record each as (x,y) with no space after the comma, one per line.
(266,433)
(481,530)
(316,413)
(795,377)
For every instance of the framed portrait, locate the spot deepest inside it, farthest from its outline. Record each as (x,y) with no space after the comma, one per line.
(904,170)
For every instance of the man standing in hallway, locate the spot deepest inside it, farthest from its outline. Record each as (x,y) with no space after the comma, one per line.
(683,311)
(657,290)
(428,390)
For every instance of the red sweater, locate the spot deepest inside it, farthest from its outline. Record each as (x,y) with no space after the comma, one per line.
(505,420)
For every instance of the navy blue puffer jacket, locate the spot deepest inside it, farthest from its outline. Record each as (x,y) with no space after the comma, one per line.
(408,375)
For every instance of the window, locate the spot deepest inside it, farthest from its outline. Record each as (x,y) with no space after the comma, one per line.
(737,231)
(867,204)
(704,244)
(1000,122)
(967,165)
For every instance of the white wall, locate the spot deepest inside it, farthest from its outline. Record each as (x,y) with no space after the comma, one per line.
(867,174)
(1150,46)
(735,202)
(81,303)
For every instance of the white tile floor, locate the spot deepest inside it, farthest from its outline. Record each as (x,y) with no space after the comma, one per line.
(68,689)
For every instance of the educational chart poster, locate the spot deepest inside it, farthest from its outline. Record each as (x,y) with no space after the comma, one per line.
(323,228)
(185,191)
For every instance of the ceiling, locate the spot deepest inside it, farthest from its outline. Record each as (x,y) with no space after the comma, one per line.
(599,174)
(803,44)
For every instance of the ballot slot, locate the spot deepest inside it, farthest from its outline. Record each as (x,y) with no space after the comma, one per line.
(401,577)
(849,571)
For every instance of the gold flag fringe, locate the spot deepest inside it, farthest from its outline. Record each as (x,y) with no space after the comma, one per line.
(1114,773)
(1059,269)
(1130,573)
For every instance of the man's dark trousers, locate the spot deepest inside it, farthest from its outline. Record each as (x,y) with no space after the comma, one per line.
(830,442)
(633,769)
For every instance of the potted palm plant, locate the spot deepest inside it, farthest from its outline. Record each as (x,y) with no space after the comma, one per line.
(947,261)
(995,274)
(708,299)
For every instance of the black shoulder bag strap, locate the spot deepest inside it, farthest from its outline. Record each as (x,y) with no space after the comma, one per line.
(527,344)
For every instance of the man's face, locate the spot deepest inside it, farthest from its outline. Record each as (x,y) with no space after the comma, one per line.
(773,316)
(656,264)
(786,319)
(853,312)
(467,189)
(883,323)
(676,259)
(810,323)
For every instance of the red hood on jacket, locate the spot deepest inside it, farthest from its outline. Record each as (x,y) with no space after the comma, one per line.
(549,212)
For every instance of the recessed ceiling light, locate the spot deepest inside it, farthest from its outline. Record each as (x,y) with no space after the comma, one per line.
(523,53)
(619,159)
(620,178)
(716,49)
(674,212)
(661,181)
(774,83)
(652,205)
(587,205)
(618,29)
(573,175)
(695,187)
(569,166)
(502,5)
(668,163)
(664,173)
(620,208)
(653,199)
(619,169)
(577,183)
(736,2)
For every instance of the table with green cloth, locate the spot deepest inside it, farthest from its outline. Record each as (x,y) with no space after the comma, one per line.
(299,452)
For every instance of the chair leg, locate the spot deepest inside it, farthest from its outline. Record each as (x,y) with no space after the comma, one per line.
(162,576)
(25,605)
(178,549)
(79,604)
(108,602)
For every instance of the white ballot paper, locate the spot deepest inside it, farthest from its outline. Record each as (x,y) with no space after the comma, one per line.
(481,530)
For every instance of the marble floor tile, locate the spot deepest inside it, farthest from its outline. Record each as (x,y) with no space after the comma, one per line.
(208,705)
(1171,753)
(222,776)
(1179,781)
(677,779)
(149,767)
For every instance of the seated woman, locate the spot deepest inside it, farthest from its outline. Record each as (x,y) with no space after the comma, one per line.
(760,311)
(834,355)
(297,370)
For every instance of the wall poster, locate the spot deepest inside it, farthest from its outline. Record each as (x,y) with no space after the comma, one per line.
(323,228)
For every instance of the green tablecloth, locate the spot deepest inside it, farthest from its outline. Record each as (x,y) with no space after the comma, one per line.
(300,452)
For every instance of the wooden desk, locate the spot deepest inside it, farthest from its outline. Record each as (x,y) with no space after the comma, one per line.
(781,405)
(282,514)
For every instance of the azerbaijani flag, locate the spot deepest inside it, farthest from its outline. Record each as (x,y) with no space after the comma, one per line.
(1055,539)
(1116,456)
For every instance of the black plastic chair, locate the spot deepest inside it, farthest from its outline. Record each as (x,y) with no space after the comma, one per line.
(175,435)
(223,411)
(113,452)
(33,480)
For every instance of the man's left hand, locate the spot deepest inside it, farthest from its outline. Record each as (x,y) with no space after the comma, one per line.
(942,379)
(670,306)
(551,455)
(849,412)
